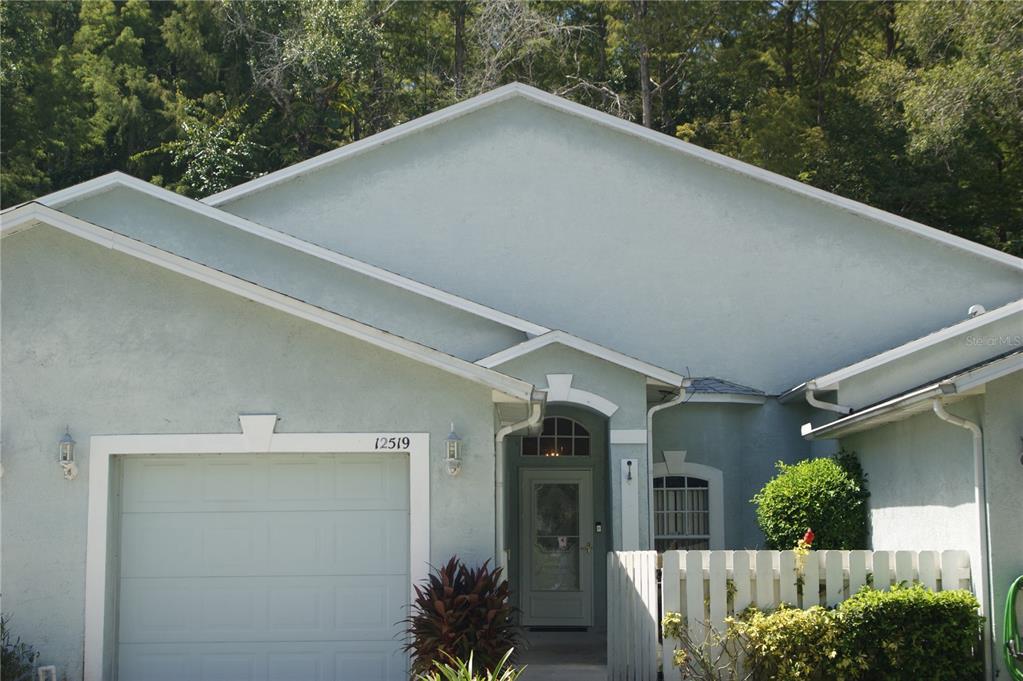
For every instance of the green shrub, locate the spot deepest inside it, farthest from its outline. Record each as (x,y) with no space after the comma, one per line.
(17,661)
(913,633)
(828,495)
(461,612)
(905,634)
(789,644)
(460,670)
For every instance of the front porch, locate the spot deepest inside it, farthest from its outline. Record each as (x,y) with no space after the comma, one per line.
(565,656)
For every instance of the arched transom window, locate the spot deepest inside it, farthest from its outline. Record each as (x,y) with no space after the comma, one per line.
(561,436)
(681,513)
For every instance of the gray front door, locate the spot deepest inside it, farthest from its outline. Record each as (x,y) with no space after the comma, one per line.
(557,547)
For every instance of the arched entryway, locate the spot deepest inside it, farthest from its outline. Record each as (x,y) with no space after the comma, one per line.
(559,528)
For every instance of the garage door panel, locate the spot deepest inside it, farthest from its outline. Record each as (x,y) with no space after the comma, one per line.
(263,567)
(374,661)
(251,544)
(243,482)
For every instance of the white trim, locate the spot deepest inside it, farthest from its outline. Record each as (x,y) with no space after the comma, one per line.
(116,179)
(559,389)
(257,431)
(630,503)
(675,464)
(628,128)
(908,404)
(621,436)
(17,219)
(585,346)
(724,398)
(831,381)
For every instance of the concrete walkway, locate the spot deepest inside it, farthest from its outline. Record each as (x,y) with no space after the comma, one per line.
(564,656)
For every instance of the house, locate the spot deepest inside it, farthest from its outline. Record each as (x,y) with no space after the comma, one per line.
(515,329)
(938,426)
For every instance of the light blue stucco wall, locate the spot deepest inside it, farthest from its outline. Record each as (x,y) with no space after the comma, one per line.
(634,246)
(108,344)
(623,387)
(1003,457)
(742,440)
(920,474)
(385,306)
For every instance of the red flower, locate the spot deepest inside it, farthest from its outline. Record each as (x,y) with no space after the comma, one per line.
(808,537)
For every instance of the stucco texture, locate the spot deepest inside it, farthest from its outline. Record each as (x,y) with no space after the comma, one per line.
(920,473)
(637,247)
(108,344)
(306,277)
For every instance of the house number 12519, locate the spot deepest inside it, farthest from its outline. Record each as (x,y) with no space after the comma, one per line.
(392,443)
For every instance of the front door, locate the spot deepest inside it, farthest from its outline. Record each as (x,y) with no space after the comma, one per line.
(557,547)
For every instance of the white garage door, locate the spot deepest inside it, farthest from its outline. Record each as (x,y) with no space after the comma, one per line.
(263,567)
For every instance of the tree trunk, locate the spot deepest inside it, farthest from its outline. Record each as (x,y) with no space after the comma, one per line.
(460,11)
(790,43)
(889,28)
(644,70)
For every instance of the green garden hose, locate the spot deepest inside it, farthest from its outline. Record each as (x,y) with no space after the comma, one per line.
(1013,647)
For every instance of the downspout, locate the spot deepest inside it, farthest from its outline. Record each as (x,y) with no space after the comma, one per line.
(980,498)
(536,412)
(812,400)
(678,399)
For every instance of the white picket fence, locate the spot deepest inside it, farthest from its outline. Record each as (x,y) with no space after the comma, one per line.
(642,585)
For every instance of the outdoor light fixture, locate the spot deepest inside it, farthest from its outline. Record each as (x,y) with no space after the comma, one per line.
(453,454)
(66,452)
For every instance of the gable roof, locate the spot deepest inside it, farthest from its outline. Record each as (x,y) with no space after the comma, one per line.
(831,380)
(587,347)
(918,400)
(518,90)
(116,179)
(26,216)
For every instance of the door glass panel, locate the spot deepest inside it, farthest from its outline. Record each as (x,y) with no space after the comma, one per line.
(556,537)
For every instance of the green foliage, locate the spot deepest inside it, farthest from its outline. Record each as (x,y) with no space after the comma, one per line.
(460,612)
(913,633)
(827,495)
(714,657)
(461,670)
(789,644)
(17,659)
(904,634)
(911,107)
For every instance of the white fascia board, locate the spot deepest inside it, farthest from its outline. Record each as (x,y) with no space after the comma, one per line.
(585,346)
(29,214)
(629,128)
(117,179)
(887,411)
(832,380)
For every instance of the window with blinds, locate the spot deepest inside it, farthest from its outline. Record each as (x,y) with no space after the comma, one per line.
(681,513)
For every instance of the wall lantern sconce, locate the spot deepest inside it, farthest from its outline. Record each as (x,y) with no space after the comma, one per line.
(66,450)
(453,453)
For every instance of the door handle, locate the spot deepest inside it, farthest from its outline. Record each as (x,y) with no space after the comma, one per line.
(588,548)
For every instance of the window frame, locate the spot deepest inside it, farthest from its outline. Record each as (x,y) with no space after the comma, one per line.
(675,465)
(576,432)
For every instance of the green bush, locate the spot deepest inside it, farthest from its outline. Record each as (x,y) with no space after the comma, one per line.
(17,659)
(789,644)
(905,634)
(913,633)
(461,670)
(827,495)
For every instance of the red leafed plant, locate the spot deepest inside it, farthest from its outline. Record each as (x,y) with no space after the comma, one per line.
(461,610)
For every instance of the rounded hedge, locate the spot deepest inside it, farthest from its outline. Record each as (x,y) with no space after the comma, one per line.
(827,495)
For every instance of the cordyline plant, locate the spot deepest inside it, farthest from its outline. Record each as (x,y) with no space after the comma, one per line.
(461,612)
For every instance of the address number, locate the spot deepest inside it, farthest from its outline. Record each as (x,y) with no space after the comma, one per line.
(393,442)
